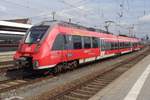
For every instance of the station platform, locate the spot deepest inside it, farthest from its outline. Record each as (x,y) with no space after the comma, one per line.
(7,53)
(132,85)
(6,56)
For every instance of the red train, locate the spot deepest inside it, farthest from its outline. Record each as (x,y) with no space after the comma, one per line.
(60,45)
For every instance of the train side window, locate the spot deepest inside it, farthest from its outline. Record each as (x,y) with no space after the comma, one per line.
(94,42)
(68,42)
(99,40)
(116,45)
(77,42)
(59,42)
(87,42)
(121,46)
(103,45)
(107,46)
(129,44)
(112,45)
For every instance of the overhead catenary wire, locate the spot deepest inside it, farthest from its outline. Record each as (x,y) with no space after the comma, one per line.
(80,10)
(23,5)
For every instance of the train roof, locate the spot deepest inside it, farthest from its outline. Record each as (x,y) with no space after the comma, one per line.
(68,24)
(104,34)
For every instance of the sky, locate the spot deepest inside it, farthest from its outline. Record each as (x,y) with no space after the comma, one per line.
(130,17)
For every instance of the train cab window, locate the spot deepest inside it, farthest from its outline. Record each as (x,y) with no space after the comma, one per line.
(95,42)
(77,42)
(59,42)
(87,42)
(36,33)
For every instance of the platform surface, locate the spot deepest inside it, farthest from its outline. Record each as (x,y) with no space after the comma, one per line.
(132,85)
(6,56)
(7,53)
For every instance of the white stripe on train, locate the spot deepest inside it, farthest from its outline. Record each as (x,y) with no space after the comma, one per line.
(87,59)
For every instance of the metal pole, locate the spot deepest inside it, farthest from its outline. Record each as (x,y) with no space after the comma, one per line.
(70,20)
(53,14)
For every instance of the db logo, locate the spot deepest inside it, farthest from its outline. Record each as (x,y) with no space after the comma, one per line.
(28,49)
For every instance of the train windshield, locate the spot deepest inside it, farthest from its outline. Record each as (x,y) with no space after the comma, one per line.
(36,33)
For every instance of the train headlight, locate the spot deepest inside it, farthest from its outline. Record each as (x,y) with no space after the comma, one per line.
(37,48)
(35,64)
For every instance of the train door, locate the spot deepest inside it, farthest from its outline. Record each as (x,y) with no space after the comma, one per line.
(58,48)
(73,46)
(68,48)
(102,45)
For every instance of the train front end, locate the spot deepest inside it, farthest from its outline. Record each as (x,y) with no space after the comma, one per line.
(33,48)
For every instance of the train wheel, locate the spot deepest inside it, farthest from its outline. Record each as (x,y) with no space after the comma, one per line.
(70,66)
(75,64)
(57,69)
(60,68)
(66,66)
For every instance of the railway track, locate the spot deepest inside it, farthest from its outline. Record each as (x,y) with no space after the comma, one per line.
(20,82)
(6,61)
(90,87)
(73,91)
(7,65)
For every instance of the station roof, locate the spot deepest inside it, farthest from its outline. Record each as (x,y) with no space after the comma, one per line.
(14,24)
(20,20)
